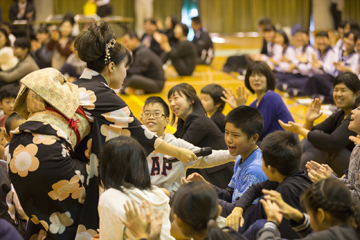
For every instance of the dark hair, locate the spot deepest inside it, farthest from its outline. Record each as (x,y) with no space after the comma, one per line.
(281,150)
(122,163)
(196,204)
(91,45)
(155,99)
(174,21)
(69,17)
(322,34)
(43,29)
(303,30)
(264,21)
(350,80)
(196,19)
(22,42)
(269,28)
(355,33)
(334,197)
(264,69)
(152,21)
(189,95)
(357,101)
(188,87)
(283,33)
(7,43)
(353,25)
(9,91)
(132,35)
(185,29)
(342,24)
(248,119)
(13,117)
(216,92)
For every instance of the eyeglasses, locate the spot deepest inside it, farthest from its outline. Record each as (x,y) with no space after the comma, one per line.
(155,114)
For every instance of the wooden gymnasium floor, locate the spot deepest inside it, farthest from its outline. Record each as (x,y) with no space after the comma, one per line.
(204,75)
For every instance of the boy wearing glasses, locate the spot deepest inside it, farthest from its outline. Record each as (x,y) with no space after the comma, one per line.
(155,117)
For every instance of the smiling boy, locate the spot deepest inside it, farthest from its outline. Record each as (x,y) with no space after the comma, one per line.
(155,117)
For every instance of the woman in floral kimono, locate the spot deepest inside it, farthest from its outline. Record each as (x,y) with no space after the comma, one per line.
(49,178)
(109,115)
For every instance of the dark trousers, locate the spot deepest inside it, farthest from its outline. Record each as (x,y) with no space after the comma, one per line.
(236,63)
(182,68)
(292,80)
(320,84)
(337,160)
(147,84)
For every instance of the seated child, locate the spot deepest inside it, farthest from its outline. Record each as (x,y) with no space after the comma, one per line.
(155,117)
(213,104)
(8,94)
(9,202)
(124,174)
(242,130)
(281,157)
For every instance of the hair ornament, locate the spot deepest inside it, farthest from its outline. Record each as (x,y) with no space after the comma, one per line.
(109,45)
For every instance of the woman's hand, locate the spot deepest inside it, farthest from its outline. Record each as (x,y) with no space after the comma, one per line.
(291,126)
(313,112)
(235,219)
(285,209)
(242,96)
(354,139)
(272,211)
(318,171)
(186,155)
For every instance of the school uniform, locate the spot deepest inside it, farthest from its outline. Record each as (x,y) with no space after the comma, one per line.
(168,175)
(290,53)
(204,46)
(339,44)
(145,72)
(219,119)
(323,83)
(201,131)
(274,51)
(183,58)
(246,174)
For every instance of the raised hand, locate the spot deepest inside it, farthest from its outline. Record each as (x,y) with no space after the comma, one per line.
(318,171)
(290,126)
(235,101)
(313,112)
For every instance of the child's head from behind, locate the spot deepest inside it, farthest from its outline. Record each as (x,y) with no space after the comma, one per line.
(196,208)
(155,115)
(281,154)
(8,94)
(183,101)
(329,203)
(12,122)
(211,98)
(259,77)
(123,164)
(243,127)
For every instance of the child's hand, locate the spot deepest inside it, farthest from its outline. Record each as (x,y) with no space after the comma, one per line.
(186,155)
(285,209)
(96,236)
(235,219)
(137,223)
(272,211)
(195,177)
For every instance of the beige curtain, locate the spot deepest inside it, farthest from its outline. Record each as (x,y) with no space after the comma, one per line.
(228,16)
(351,10)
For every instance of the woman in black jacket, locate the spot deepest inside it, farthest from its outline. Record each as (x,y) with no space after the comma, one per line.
(195,127)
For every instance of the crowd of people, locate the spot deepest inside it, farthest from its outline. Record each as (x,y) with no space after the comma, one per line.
(77,164)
